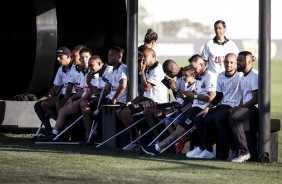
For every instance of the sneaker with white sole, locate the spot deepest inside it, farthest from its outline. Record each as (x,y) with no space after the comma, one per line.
(195,152)
(132,147)
(206,155)
(241,157)
(150,150)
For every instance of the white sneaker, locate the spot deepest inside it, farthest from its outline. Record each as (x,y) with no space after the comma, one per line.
(195,152)
(241,157)
(206,155)
(132,147)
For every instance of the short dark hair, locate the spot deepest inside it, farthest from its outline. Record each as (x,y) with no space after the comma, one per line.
(220,22)
(247,53)
(194,58)
(85,49)
(117,49)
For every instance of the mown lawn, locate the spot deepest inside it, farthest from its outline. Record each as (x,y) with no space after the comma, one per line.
(22,161)
(25,162)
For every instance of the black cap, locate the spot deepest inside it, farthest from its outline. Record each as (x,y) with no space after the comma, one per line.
(63,51)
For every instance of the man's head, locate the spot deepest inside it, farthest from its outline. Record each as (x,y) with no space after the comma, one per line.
(188,74)
(75,55)
(85,54)
(95,64)
(149,57)
(230,62)
(244,61)
(63,56)
(198,63)
(170,68)
(115,55)
(219,28)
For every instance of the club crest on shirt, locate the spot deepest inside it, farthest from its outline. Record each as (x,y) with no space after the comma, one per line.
(203,85)
(234,85)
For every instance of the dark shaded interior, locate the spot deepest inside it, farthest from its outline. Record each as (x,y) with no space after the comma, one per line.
(97,24)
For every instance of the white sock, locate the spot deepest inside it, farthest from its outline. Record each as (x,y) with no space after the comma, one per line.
(55,132)
(157,147)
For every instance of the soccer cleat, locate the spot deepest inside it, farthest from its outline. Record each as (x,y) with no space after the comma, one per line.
(194,153)
(206,155)
(150,150)
(241,157)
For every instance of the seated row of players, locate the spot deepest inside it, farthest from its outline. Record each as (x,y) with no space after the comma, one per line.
(155,97)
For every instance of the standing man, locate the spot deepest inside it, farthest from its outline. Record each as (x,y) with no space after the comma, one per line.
(215,50)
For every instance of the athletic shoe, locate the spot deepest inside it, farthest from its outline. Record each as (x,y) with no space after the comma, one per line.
(46,137)
(86,143)
(241,157)
(206,155)
(232,155)
(179,147)
(132,147)
(194,153)
(150,150)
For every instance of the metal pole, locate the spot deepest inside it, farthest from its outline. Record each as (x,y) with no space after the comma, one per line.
(264,80)
(132,44)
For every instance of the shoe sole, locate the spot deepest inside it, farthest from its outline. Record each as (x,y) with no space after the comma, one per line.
(147,152)
(243,160)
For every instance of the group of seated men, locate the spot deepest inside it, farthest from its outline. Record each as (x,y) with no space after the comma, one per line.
(206,104)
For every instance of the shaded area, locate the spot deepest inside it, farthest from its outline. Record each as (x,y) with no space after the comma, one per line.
(31,31)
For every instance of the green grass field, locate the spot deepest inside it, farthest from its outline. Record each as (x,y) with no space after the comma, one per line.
(22,161)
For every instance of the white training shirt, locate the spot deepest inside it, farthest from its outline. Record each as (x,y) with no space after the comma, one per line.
(83,84)
(183,86)
(62,78)
(229,86)
(215,53)
(203,86)
(158,93)
(74,78)
(106,74)
(248,84)
(117,75)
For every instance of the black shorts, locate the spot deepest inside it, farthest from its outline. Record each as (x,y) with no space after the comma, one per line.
(188,117)
(140,106)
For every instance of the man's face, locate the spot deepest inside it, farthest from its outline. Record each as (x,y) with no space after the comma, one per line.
(219,30)
(198,65)
(113,57)
(94,65)
(230,63)
(147,58)
(84,58)
(76,58)
(241,63)
(171,71)
(63,59)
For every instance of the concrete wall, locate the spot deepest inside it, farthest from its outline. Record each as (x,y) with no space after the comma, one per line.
(19,114)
